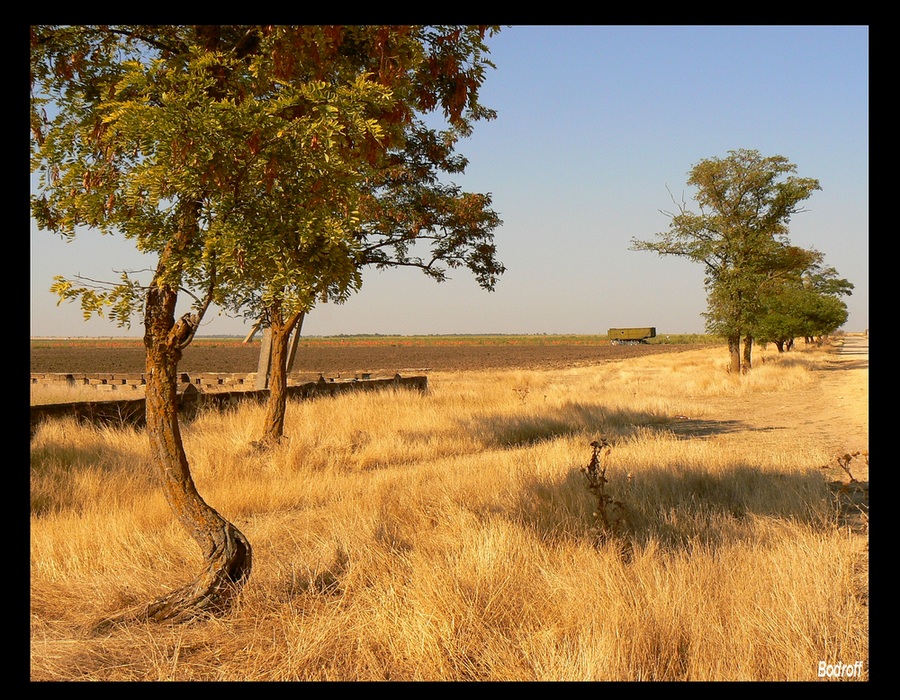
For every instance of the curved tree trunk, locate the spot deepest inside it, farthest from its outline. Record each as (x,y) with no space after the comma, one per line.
(226,551)
(276,405)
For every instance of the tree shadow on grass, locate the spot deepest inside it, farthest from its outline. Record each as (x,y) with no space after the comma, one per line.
(521,430)
(849,364)
(675,505)
(688,428)
(679,508)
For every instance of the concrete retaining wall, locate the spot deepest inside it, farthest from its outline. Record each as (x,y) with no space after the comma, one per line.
(196,392)
(105,381)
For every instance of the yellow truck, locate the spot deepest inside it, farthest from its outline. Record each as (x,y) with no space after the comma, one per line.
(630,336)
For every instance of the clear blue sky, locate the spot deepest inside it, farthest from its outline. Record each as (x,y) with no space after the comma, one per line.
(596,131)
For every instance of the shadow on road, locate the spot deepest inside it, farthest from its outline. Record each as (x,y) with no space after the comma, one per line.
(857,347)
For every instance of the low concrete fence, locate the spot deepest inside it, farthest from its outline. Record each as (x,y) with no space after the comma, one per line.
(123,381)
(195,392)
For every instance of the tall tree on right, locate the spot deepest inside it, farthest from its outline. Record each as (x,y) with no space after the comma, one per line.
(739,235)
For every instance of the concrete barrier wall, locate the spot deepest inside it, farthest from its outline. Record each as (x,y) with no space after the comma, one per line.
(197,392)
(129,381)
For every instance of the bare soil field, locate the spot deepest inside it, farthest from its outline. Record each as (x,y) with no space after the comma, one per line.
(337,358)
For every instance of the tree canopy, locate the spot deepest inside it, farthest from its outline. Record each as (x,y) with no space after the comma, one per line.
(301,148)
(805,303)
(741,237)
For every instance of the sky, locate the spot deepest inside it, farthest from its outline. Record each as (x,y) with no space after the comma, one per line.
(597,129)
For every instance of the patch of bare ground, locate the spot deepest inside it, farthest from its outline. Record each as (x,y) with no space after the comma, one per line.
(829,414)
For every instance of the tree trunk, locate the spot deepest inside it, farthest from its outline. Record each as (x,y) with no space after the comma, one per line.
(734,352)
(748,351)
(780,345)
(276,405)
(226,551)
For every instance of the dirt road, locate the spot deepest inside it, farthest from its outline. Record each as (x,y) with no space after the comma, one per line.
(830,413)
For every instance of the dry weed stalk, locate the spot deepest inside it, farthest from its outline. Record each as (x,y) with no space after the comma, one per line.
(610,513)
(852,494)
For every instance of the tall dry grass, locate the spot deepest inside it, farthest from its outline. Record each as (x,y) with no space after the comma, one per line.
(59,392)
(449,536)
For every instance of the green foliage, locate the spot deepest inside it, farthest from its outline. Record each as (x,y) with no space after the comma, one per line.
(265,166)
(740,236)
(799,312)
(120,299)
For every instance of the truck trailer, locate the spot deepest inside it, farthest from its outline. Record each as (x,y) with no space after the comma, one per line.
(630,336)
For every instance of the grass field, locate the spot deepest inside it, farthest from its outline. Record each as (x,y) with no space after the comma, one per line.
(453,536)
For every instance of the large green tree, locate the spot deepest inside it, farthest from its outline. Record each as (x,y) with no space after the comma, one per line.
(237,157)
(746,202)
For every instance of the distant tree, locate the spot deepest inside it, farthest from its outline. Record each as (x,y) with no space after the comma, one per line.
(235,155)
(746,202)
(803,304)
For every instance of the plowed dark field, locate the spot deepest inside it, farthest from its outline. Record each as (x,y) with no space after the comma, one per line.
(344,358)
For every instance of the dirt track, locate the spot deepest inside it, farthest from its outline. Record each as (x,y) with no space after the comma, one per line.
(336,360)
(832,411)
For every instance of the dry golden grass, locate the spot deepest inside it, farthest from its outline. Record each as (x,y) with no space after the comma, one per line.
(59,392)
(449,536)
